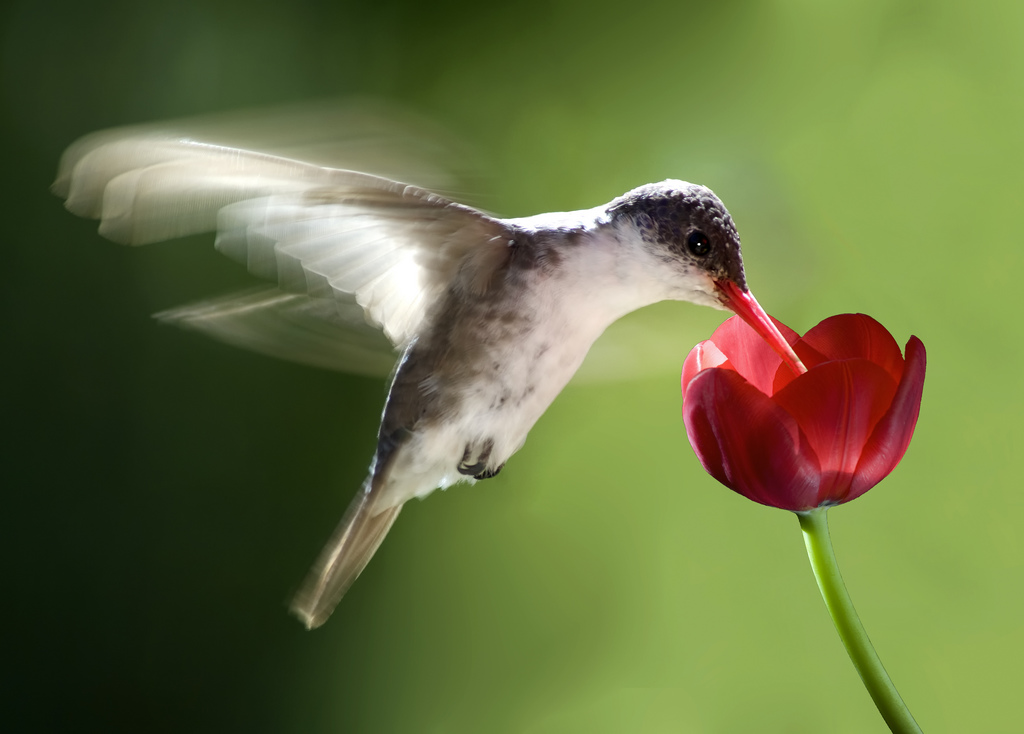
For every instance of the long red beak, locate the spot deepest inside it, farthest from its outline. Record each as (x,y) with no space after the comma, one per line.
(748,309)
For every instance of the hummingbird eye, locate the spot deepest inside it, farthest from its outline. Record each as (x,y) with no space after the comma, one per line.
(697,243)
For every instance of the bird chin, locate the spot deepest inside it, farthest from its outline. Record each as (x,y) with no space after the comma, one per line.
(704,298)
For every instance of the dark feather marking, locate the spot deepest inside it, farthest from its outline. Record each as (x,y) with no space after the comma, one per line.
(665,216)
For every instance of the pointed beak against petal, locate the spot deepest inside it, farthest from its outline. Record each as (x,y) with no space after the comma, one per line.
(743,303)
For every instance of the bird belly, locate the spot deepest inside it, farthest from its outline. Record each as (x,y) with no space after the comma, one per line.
(488,418)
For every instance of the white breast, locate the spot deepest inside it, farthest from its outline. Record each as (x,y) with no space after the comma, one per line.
(594,285)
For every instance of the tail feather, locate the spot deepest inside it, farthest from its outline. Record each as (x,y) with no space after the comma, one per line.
(346,554)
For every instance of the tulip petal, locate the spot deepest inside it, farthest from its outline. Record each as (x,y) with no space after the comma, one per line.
(703,356)
(853,335)
(748,443)
(891,437)
(837,405)
(749,354)
(808,355)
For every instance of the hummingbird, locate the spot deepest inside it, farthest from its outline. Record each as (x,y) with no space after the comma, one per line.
(490,317)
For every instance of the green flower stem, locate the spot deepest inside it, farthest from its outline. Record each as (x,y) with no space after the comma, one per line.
(823,561)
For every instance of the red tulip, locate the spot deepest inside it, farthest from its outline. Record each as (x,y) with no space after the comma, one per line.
(815,439)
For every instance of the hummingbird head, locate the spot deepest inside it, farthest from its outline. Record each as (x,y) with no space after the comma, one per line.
(688,229)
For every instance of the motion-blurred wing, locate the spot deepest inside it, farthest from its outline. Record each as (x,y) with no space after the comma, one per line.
(319,332)
(323,232)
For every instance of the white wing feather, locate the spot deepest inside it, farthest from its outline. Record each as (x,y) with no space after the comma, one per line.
(319,332)
(318,231)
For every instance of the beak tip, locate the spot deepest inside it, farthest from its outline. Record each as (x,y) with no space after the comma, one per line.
(741,301)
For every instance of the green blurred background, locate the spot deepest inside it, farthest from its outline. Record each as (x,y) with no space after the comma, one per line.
(164,494)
